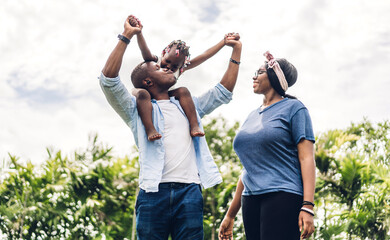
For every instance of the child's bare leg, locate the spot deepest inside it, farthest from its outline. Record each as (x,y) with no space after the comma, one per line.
(185,99)
(145,109)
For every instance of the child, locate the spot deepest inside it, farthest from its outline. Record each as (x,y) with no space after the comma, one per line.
(175,57)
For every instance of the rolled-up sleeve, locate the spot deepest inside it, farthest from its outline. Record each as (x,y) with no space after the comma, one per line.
(212,99)
(119,98)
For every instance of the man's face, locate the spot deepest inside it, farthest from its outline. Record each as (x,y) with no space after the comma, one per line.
(162,78)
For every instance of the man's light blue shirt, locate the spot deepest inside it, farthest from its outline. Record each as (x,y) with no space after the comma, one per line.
(151,153)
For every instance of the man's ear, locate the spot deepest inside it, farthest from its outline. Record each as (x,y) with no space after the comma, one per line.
(147,82)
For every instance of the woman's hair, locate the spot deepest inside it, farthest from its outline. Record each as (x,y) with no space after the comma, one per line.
(290,73)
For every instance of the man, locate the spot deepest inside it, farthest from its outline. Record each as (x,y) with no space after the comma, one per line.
(171,168)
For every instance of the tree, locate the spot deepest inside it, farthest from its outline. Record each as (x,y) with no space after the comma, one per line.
(353,182)
(220,137)
(92,194)
(88,197)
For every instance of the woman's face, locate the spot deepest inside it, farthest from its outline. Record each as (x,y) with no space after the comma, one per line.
(261,82)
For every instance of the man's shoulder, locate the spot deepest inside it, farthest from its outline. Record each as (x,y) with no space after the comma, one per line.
(108,81)
(115,88)
(219,90)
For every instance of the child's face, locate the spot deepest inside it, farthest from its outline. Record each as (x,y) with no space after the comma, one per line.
(172,61)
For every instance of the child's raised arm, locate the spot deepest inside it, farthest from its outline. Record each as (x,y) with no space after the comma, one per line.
(146,54)
(209,52)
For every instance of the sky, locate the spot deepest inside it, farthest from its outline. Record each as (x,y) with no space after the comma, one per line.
(51,53)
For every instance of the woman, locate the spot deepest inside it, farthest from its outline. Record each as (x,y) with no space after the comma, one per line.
(275,147)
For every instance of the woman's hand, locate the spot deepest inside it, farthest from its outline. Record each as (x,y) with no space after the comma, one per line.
(226,229)
(307,223)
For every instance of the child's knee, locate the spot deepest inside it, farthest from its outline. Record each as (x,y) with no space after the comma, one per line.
(183,92)
(142,94)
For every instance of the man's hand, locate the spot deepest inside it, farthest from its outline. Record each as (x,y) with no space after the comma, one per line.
(130,30)
(226,229)
(114,61)
(135,22)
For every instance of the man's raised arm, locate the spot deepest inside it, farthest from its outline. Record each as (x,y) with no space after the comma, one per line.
(114,61)
(114,90)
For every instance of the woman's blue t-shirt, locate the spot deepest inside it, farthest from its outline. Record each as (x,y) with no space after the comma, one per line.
(267,147)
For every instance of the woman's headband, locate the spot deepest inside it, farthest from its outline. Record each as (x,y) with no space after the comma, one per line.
(272,63)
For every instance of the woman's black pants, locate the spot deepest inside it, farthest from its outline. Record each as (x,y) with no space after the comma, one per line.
(271,216)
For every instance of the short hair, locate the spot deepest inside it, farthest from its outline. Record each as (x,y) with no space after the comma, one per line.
(138,75)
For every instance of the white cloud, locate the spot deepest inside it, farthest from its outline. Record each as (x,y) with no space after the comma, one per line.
(341,50)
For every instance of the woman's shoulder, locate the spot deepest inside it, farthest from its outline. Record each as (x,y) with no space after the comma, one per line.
(295,103)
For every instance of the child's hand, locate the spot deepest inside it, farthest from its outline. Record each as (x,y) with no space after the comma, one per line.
(231,39)
(233,34)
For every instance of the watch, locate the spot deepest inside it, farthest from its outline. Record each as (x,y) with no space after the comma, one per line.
(123,38)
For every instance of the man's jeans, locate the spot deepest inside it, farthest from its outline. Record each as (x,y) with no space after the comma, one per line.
(176,209)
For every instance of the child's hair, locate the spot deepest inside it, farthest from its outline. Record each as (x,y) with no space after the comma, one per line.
(181,48)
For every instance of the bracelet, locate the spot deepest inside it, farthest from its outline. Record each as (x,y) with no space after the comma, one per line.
(311,212)
(123,38)
(308,203)
(234,61)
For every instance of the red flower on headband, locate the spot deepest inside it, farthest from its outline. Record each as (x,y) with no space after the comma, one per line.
(270,58)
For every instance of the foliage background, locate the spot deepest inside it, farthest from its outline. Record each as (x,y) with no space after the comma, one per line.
(91,194)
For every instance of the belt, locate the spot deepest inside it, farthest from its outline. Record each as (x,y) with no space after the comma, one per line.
(174,185)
